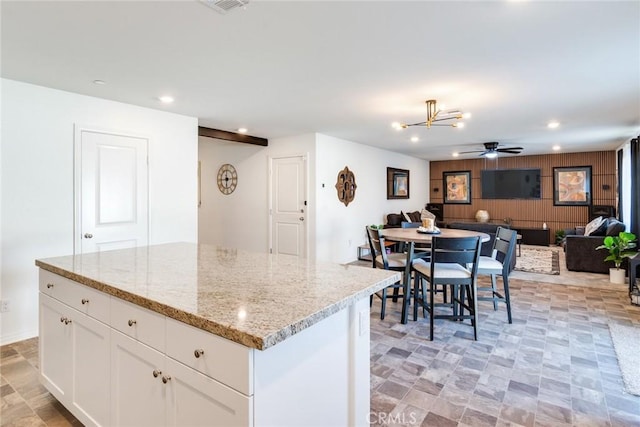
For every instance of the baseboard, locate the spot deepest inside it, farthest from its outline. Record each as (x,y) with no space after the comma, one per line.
(20,336)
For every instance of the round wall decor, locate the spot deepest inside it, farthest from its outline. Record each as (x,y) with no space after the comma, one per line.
(346,186)
(227,179)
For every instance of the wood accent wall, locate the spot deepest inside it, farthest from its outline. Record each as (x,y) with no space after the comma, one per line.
(529,213)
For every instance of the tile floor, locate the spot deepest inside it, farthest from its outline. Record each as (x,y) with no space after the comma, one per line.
(554,366)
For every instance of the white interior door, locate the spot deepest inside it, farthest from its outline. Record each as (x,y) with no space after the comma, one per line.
(288,206)
(112,192)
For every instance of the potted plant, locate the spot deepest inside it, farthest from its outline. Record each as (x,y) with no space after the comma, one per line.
(619,248)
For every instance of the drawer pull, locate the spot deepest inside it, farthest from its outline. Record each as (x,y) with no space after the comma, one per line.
(165,379)
(84,301)
(156,373)
(49,285)
(132,322)
(198,352)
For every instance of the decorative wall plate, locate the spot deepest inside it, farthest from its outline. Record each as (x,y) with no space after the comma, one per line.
(346,186)
(227,179)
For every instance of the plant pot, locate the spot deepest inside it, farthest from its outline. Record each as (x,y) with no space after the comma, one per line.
(617,275)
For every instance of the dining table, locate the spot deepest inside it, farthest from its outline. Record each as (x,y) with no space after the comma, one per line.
(414,236)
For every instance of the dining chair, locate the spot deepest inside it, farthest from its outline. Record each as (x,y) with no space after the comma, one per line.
(498,265)
(453,263)
(394,262)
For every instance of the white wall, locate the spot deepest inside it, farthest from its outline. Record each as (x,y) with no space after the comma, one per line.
(241,219)
(37,183)
(340,228)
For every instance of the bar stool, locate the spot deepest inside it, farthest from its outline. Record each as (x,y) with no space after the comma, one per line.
(448,256)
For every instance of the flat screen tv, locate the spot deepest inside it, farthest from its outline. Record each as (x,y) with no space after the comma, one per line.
(510,184)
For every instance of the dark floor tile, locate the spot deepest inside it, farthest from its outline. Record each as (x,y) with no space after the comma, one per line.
(522,388)
(435,420)
(393,389)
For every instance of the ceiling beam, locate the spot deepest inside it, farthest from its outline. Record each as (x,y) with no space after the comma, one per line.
(232,136)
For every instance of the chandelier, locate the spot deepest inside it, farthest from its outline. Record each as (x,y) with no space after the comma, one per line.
(435,116)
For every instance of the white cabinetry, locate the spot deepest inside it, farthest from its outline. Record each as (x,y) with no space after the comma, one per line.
(149,388)
(111,362)
(74,351)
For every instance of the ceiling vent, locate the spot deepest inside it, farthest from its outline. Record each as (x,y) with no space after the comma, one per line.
(224,6)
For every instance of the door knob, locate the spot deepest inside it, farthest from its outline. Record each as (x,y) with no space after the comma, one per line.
(88,235)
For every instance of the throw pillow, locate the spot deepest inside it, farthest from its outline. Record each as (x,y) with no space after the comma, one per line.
(593,225)
(602,228)
(615,227)
(394,219)
(415,216)
(405,216)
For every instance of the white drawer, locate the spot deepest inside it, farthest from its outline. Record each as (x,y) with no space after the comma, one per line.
(83,298)
(225,361)
(139,323)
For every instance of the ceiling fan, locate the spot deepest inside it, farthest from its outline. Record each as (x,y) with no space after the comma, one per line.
(491,150)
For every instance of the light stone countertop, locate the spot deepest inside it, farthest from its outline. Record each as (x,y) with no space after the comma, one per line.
(255,299)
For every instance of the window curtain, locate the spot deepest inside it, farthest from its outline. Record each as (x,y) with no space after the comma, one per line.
(634,221)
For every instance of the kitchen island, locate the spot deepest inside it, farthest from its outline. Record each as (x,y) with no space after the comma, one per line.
(186,334)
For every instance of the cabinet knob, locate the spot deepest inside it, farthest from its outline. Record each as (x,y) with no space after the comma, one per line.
(49,285)
(166,378)
(198,352)
(132,322)
(84,301)
(67,321)
(156,373)
(88,235)
(62,319)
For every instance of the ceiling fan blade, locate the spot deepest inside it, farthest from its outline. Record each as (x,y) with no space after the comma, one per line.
(469,152)
(509,150)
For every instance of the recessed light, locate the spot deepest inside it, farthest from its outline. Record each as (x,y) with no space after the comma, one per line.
(556,148)
(99,82)
(456,154)
(396,125)
(415,139)
(459,125)
(166,99)
(242,130)
(553,124)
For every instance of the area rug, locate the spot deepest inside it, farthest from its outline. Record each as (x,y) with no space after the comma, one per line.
(538,260)
(625,341)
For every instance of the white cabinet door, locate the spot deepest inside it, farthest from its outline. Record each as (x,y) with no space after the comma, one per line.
(55,347)
(91,382)
(137,390)
(197,400)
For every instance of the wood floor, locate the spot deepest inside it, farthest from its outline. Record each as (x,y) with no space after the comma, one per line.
(554,366)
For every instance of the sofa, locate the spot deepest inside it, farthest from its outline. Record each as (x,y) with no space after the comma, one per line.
(488,228)
(580,250)
(407,219)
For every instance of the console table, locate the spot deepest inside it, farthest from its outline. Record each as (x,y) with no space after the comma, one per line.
(534,236)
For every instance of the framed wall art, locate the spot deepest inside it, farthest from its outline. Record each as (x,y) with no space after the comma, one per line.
(397,183)
(457,187)
(572,186)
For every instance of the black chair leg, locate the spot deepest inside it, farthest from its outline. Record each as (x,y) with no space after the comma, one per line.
(384,303)
(431,310)
(416,296)
(494,291)
(507,299)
